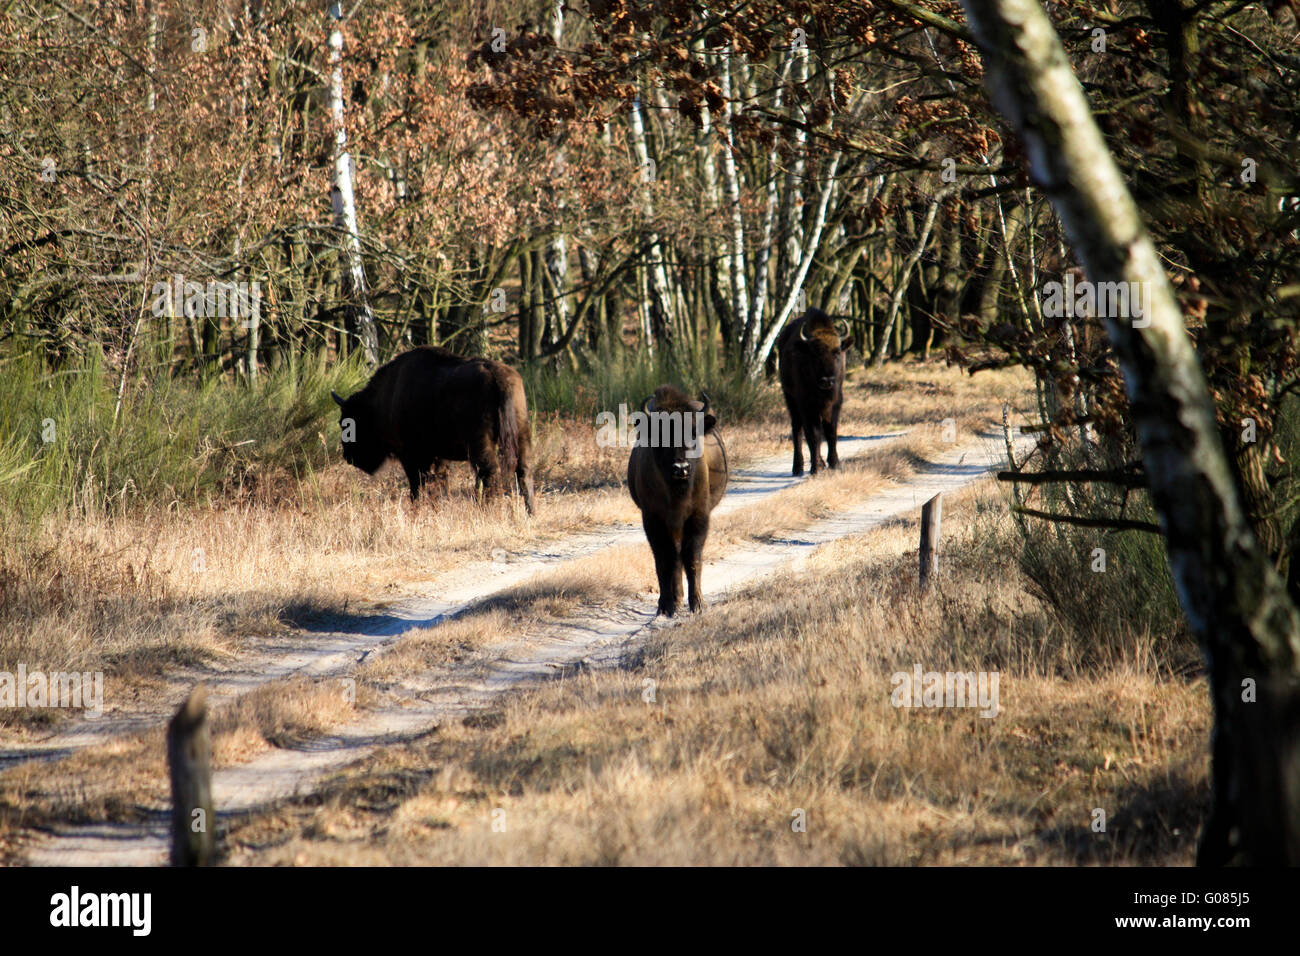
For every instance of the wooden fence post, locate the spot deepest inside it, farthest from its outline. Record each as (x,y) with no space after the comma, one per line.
(931,518)
(189,749)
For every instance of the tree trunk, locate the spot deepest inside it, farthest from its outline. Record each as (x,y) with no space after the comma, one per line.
(344,203)
(660,314)
(763,255)
(736,236)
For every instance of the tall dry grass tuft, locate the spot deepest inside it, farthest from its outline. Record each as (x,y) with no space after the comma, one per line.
(1101,583)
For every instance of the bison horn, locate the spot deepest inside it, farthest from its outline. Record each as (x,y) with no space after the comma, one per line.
(803,330)
(336,396)
(704,403)
(842,334)
(648,406)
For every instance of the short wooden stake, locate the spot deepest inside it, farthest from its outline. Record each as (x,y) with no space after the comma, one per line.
(189,750)
(931,518)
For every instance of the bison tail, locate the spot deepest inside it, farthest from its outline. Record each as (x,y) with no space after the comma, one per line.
(507,432)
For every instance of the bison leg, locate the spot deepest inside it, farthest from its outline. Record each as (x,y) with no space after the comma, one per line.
(414,477)
(693,535)
(667,563)
(812,429)
(524,475)
(485,472)
(832,434)
(796,427)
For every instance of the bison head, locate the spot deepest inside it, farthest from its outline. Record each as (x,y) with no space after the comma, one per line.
(361,445)
(823,346)
(678,427)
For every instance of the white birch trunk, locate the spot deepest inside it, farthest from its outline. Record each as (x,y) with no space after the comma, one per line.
(731,190)
(717,250)
(556,256)
(900,288)
(764,254)
(344,202)
(660,299)
(791,228)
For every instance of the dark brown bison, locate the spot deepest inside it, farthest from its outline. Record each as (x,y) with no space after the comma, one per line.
(677,473)
(428,406)
(811,361)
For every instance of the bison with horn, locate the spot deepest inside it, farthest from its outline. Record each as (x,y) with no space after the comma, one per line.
(811,363)
(677,474)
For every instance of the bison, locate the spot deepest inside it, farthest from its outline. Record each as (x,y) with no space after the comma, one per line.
(430,405)
(811,362)
(677,477)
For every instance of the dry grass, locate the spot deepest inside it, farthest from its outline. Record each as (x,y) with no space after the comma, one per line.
(775,703)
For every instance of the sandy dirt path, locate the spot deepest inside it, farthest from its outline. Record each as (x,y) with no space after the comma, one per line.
(593,637)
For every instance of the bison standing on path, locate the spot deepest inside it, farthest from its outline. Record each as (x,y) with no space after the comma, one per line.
(677,474)
(428,406)
(811,360)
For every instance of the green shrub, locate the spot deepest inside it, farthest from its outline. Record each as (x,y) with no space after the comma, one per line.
(66,444)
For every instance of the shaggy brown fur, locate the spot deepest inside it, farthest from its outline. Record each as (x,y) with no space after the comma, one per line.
(811,361)
(428,406)
(676,493)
